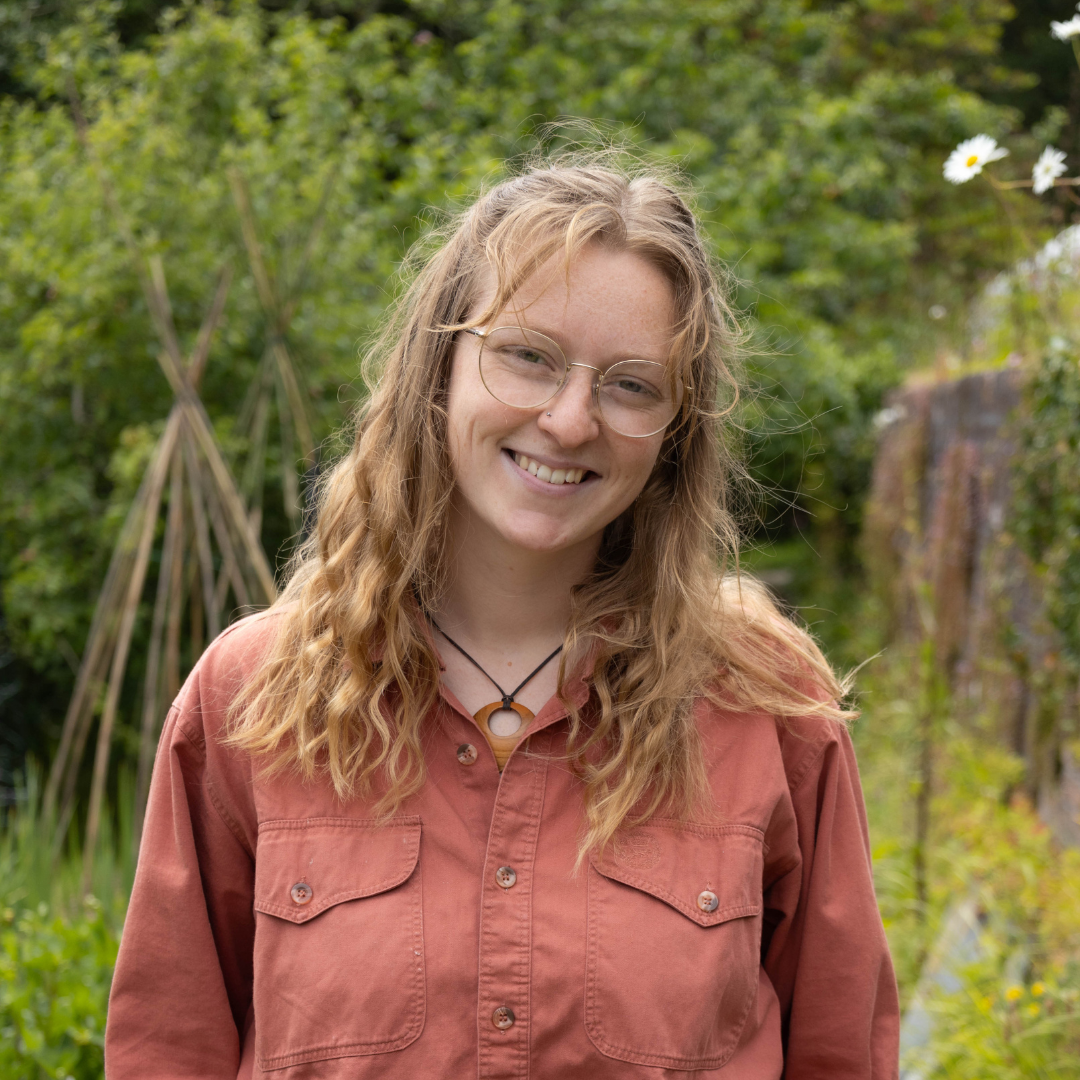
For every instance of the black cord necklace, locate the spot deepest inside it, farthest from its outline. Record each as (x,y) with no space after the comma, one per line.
(508,703)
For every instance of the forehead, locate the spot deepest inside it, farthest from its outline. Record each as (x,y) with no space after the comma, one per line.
(603,299)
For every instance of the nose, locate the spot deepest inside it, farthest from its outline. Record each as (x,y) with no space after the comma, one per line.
(571,416)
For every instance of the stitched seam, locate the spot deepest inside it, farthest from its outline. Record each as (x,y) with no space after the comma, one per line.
(335,1050)
(419,956)
(230,823)
(195,738)
(714,918)
(592,949)
(270,908)
(485,973)
(702,829)
(285,824)
(626,1053)
(414,1018)
(734,911)
(646,1058)
(799,777)
(540,788)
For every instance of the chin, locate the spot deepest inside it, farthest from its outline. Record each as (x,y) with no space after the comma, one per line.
(531,534)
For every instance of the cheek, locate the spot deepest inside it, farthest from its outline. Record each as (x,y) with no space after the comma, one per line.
(475,422)
(637,465)
(461,413)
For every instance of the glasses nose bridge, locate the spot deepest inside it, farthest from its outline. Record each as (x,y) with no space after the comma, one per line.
(594,383)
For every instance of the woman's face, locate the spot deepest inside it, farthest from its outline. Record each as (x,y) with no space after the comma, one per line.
(612,306)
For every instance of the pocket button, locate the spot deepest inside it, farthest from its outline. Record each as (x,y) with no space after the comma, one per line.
(503,1017)
(708,901)
(301,893)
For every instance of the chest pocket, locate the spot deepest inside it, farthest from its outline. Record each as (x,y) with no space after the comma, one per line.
(339,942)
(674,937)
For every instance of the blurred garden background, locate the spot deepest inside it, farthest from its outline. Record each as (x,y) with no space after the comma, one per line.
(234,186)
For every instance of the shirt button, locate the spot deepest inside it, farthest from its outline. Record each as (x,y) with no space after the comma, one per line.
(506,877)
(466,754)
(301,893)
(708,901)
(503,1017)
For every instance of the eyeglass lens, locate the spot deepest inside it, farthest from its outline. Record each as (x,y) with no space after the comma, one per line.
(525,369)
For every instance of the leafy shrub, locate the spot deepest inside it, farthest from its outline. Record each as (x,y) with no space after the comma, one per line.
(1017,1012)
(56,951)
(990,1030)
(54,987)
(1013,1013)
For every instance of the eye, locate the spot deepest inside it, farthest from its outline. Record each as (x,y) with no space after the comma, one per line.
(531,357)
(527,359)
(633,386)
(632,389)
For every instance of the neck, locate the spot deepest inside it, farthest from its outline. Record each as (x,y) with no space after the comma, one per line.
(499,595)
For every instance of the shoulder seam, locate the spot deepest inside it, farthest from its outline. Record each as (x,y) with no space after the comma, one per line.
(227,819)
(197,740)
(795,781)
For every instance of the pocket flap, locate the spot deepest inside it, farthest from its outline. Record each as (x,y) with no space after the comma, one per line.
(305,865)
(690,867)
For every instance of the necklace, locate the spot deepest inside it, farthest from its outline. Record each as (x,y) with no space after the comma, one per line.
(501,720)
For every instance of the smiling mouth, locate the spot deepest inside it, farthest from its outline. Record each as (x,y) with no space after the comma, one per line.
(547,474)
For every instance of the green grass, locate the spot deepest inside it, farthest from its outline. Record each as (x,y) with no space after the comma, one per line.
(1016,1013)
(57,948)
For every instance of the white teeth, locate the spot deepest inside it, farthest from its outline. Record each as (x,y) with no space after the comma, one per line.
(549,475)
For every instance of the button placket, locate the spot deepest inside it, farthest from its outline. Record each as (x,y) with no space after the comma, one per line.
(506,917)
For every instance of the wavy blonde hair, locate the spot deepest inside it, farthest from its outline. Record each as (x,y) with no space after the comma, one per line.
(345,687)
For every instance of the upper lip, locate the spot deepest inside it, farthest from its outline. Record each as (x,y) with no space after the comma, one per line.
(551,463)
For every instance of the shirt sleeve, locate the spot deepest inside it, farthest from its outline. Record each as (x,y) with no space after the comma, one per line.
(181,991)
(827,957)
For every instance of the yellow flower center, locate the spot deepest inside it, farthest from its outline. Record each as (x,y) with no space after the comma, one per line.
(973,160)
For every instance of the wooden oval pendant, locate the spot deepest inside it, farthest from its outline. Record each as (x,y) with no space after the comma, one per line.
(502,744)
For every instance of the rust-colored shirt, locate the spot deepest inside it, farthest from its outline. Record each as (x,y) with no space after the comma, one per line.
(275,931)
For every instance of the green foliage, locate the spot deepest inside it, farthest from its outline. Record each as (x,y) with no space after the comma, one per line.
(56,951)
(54,986)
(997,1031)
(1046,508)
(1016,1011)
(813,135)
(30,872)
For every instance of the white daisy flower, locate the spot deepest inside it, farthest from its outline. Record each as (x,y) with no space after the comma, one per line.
(968,159)
(1048,168)
(1065,30)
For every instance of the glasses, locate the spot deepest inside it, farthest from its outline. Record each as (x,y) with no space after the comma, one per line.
(526,369)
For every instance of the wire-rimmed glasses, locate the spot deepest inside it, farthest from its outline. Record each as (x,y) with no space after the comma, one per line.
(525,369)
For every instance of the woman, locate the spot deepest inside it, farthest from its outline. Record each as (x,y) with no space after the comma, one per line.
(513,780)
